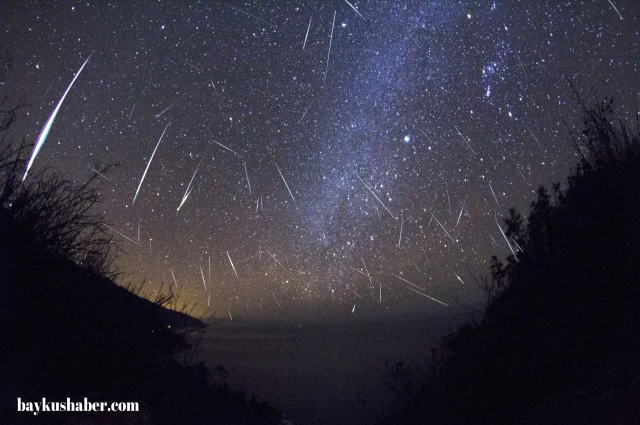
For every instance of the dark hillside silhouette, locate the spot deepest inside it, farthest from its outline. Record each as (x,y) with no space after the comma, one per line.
(67,330)
(559,342)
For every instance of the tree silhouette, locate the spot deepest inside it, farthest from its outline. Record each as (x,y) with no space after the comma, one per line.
(562,323)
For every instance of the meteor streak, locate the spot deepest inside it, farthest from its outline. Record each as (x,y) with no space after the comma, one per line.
(376,196)
(47,91)
(232,266)
(522,66)
(160,114)
(174,278)
(534,137)
(425,135)
(305,37)
(504,236)
(203,281)
(445,230)
(446,186)
(456,274)
(425,295)
(47,127)
(194,67)
(275,259)
(306,110)
(301,86)
(362,273)
(516,244)
(405,280)
(366,270)
(494,194)
(285,183)
(98,173)
(518,168)
(213,85)
(465,140)
(246,173)
(249,14)
(229,149)
(149,163)
(188,191)
(492,238)
(330,41)
(123,235)
(461,209)
(616,9)
(355,10)
(274,297)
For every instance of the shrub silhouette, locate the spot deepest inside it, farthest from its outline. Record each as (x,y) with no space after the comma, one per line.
(559,341)
(67,330)
(56,212)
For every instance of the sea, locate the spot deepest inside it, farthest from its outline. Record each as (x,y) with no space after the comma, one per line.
(322,373)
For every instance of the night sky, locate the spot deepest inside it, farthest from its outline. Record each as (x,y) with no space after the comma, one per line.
(342,151)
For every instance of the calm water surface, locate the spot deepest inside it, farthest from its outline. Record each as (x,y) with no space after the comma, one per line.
(316,375)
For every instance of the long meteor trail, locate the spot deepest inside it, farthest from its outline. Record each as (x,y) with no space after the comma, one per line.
(306,110)
(276,260)
(98,172)
(229,149)
(175,282)
(465,140)
(366,270)
(306,36)
(534,137)
(249,14)
(188,191)
(47,127)
(504,236)
(405,280)
(160,114)
(361,272)
(285,183)
(246,173)
(616,9)
(376,196)
(461,209)
(494,195)
(445,230)
(355,10)
(232,266)
(330,41)
(425,295)
(149,163)
(123,235)
(203,281)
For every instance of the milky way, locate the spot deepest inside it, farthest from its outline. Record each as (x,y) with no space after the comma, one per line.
(321,155)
